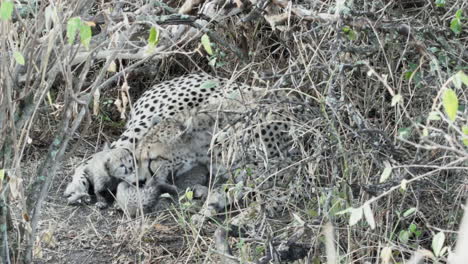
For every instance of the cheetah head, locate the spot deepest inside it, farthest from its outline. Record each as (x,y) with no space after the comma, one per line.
(101,170)
(118,163)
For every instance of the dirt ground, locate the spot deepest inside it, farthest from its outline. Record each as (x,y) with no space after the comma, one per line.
(84,234)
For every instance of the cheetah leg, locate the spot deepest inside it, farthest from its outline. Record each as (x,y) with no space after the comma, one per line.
(103,196)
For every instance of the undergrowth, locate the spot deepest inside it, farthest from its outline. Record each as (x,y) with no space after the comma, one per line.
(378,172)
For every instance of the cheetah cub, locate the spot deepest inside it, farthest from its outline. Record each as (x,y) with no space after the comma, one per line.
(133,200)
(100,180)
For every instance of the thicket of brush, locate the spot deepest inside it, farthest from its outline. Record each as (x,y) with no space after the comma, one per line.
(382,149)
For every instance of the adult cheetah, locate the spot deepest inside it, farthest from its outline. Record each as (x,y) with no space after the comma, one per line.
(164,100)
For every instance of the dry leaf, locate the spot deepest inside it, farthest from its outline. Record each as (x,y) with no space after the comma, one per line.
(37,252)
(121,104)
(112,67)
(188,6)
(275,20)
(90,23)
(159,227)
(239,3)
(15,186)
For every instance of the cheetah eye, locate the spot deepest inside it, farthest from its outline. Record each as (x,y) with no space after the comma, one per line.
(84,183)
(122,166)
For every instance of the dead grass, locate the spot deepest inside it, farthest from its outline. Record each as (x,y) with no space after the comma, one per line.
(367,82)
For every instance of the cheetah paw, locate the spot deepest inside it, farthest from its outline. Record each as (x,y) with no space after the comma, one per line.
(101,205)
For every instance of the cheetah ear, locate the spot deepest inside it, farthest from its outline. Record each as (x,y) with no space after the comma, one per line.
(106,147)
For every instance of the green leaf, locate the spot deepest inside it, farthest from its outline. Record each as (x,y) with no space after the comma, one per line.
(440,3)
(425,132)
(409,212)
(456,24)
(413,228)
(403,184)
(212,62)
(438,243)
(209,85)
(385,173)
(18,57)
(450,103)
(404,236)
(356,215)
(85,34)
(205,40)
(73,26)
(465,136)
(459,14)
(462,78)
(153,38)
(404,132)
(386,254)
(433,116)
(408,75)
(396,99)
(345,211)
(189,195)
(2,174)
(6,10)
(350,33)
(369,215)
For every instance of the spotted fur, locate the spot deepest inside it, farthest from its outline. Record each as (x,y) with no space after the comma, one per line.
(172,146)
(135,199)
(99,175)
